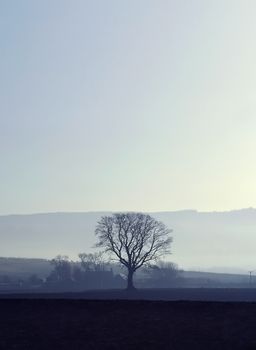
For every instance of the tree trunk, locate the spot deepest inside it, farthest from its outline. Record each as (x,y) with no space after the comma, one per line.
(130,285)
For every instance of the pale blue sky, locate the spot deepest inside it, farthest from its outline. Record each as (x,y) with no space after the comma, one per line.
(127,105)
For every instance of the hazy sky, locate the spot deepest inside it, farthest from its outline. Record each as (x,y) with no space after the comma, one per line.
(127,105)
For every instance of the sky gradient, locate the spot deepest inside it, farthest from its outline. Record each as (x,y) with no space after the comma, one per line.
(141,105)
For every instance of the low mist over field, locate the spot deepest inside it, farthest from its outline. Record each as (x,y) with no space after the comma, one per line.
(217,241)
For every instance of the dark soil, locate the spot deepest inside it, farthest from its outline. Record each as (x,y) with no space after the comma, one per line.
(170,294)
(118,324)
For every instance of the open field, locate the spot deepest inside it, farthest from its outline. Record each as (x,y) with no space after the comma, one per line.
(168,294)
(127,324)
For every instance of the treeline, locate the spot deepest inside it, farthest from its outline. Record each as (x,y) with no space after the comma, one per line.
(93,271)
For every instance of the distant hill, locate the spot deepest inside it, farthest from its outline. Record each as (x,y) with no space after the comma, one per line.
(224,241)
(23,268)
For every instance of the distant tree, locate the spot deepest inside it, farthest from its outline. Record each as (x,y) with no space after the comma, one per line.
(92,261)
(135,239)
(62,268)
(77,274)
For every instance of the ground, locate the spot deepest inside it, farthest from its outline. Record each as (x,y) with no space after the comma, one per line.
(126,324)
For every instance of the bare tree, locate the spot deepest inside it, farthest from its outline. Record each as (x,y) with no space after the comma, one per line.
(92,261)
(134,239)
(62,267)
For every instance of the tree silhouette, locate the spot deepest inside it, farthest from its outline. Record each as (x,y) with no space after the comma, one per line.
(134,239)
(62,268)
(92,261)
